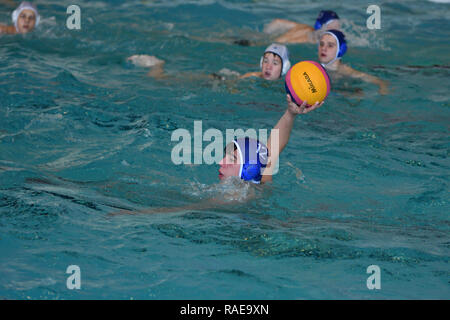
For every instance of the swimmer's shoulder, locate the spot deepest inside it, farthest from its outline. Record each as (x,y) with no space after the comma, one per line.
(346,70)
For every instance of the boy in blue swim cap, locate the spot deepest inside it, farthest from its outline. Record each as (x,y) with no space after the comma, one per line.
(25,19)
(303,33)
(247,158)
(255,162)
(244,158)
(332,47)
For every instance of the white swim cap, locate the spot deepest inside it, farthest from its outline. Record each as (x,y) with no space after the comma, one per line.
(281,51)
(25,5)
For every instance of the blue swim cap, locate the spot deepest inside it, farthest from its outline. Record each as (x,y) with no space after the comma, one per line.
(325,17)
(254,156)
(340,41)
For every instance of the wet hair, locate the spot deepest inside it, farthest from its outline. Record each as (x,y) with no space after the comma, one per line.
(234,145)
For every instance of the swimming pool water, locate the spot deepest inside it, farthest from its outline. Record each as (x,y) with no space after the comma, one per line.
(363,180)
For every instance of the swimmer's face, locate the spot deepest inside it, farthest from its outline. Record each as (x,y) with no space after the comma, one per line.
(327,48)
(230,164)
(271,66)
(26,21)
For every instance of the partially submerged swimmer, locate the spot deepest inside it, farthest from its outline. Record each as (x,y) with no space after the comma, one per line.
(303,33)
(25,19)
(251,160)
(274,63)
(156,65)
(332,47)
(247,159)
(156,69)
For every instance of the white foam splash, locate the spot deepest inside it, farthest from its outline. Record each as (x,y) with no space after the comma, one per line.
(229,189)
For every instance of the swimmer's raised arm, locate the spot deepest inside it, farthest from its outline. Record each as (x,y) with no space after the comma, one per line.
(284,127)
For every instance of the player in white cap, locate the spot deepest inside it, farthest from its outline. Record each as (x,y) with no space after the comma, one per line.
(274,63)
(25,19)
